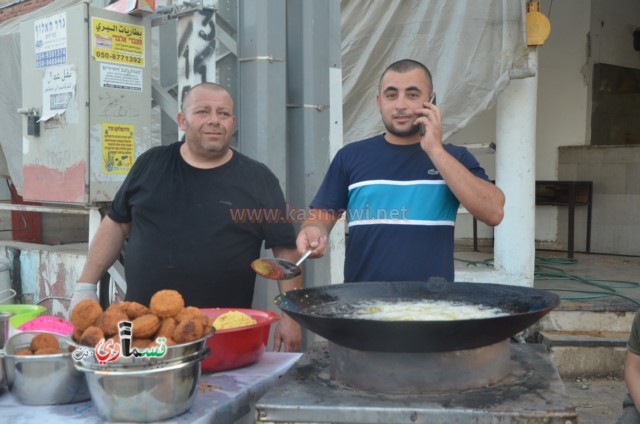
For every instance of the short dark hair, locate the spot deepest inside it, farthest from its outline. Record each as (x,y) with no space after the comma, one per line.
(208,85)
(406,65)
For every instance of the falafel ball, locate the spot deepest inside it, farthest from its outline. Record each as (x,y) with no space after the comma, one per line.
(166,303)
(85,314)
(188,330)
(135,310)
(91,336)
(44,340)
(145,326)
(109,319)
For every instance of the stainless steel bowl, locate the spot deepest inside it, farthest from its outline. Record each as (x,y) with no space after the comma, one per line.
(4,334)
(43,379)
(4,327)
(179,352)
(144,395)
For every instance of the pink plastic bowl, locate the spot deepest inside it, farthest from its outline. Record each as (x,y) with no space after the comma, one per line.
(48,323)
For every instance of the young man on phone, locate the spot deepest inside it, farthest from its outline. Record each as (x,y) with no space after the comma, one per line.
(400,190)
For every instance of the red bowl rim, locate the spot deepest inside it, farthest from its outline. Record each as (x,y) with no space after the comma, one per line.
(263,316)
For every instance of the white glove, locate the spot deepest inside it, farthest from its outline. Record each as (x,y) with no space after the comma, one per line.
(82,292)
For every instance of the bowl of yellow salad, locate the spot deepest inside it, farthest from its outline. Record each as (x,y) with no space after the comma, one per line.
(241,337)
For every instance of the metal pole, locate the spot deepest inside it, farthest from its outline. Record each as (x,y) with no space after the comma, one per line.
(262,98)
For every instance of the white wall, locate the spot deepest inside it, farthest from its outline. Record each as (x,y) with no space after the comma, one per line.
(562,99)
(611,37)
(612,26)
(582,33)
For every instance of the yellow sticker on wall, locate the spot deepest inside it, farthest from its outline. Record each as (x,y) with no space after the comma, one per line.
(116,42)
(117,148)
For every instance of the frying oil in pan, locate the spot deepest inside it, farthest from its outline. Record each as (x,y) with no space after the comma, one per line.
(405,310)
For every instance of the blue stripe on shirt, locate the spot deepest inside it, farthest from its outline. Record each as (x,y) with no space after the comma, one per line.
(419,202)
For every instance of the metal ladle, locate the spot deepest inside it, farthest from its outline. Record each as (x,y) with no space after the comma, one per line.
(279,269)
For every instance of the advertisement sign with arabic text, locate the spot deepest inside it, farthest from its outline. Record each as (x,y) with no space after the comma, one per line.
(117,42)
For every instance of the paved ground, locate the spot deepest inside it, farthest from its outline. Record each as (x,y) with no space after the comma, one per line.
(613,284)
(597,401)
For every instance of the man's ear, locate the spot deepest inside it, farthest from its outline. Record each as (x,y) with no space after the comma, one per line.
(180,118)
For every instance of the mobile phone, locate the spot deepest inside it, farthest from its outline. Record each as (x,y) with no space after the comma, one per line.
(432,100)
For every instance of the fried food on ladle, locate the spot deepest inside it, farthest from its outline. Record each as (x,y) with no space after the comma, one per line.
(268,270)
(166,303)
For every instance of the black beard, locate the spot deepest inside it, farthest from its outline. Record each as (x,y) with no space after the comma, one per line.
(408,133)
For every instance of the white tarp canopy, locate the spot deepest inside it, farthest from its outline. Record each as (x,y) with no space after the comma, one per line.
(469,47)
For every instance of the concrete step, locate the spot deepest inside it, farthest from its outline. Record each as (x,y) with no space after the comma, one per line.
(587,321)
(584,338)
(586,353)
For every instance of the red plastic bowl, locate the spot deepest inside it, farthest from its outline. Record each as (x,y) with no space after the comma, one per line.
(237,347)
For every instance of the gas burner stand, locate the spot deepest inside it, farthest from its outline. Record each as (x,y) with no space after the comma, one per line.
(313,392)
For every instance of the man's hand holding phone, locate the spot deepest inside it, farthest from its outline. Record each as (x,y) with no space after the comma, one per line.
(423,128)
(431,138)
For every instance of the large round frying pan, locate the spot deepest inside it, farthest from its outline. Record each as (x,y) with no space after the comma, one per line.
(523,305)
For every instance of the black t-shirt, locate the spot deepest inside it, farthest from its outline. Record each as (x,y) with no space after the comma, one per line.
(198,230)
